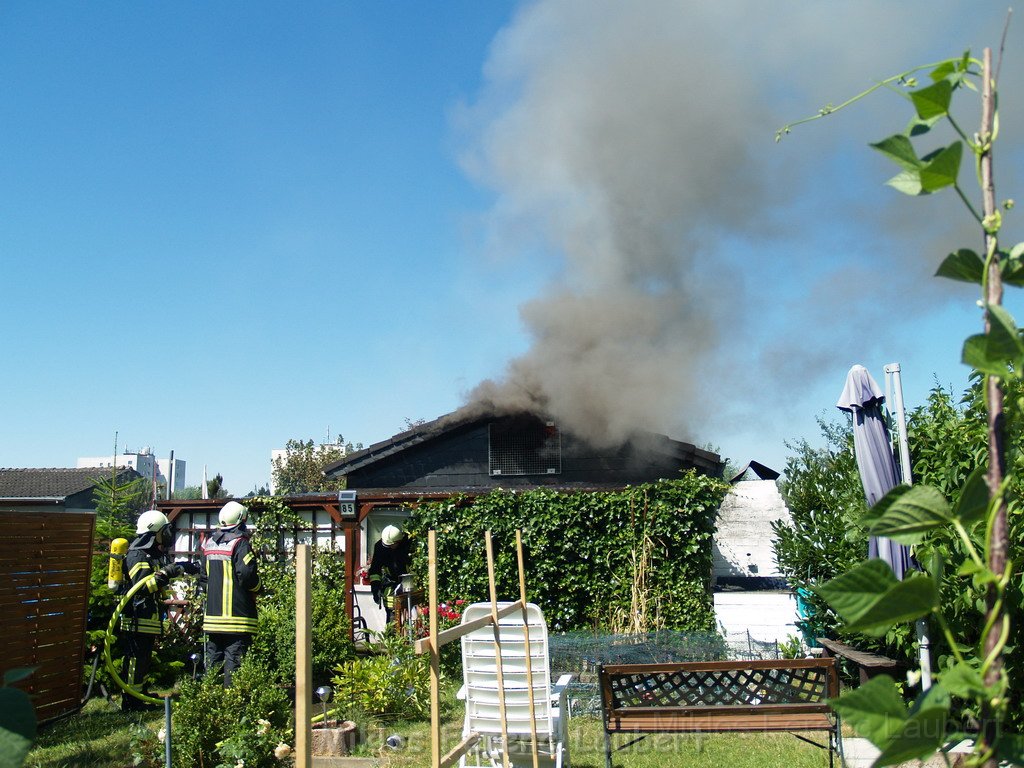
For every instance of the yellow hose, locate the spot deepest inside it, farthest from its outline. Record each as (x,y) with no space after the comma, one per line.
(111,635)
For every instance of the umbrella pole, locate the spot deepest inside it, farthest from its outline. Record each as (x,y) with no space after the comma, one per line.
(892,374)
(893,378)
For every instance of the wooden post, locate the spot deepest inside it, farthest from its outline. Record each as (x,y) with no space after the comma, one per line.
(497,650)
(303,657)
(529,654)
(435,667)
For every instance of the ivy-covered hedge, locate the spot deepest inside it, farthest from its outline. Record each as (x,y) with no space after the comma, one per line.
(638,558)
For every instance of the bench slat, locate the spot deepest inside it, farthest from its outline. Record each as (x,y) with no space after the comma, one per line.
(710,724)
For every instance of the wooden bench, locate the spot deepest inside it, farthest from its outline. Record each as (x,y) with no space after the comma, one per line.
(720,696)
(868,664)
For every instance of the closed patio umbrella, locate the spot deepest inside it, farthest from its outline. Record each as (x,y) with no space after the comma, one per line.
(879,472)
(872,445)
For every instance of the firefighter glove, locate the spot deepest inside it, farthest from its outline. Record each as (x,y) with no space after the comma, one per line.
(187,566)
(375,591)
(167,573)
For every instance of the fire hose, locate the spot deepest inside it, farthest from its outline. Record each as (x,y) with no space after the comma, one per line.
(111,635)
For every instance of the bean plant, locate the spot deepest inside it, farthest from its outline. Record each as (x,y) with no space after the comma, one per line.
(869,598)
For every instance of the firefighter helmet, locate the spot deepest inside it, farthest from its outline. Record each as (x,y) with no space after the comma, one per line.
(391,535)
(232,513)
(152,520)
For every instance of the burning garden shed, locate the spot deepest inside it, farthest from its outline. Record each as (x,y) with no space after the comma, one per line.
(470,450)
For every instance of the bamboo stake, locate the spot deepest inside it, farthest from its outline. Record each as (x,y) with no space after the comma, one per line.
(998,536)
(435,667)
(497,651)
(454,633)
(303,658)
(529,652)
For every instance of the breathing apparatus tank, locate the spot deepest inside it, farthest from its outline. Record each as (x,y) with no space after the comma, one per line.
(115,570)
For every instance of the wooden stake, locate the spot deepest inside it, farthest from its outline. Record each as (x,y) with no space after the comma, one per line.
(303,658)
(497,650)
(435,666)
(529,654)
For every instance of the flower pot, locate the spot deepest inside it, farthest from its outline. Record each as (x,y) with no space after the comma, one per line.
(332,738)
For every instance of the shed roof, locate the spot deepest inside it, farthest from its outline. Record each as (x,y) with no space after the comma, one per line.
(430,430)
(52,483)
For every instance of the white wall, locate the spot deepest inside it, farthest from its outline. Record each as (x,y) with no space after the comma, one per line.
(743,543)
(767,616)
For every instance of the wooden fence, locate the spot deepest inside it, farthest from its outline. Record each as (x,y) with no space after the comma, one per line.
(45,562)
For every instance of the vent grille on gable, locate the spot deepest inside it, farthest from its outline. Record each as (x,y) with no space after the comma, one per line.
(523,445)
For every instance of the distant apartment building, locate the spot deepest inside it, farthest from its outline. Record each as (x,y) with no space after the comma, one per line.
(146,464)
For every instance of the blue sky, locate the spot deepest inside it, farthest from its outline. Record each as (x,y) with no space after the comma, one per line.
(229,224)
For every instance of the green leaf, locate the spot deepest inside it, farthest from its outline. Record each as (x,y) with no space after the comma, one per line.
(1013,272)
(984,356)
(1004,335)
(870,599)
(933,100)
(964,265)
(899,149)
(875,710)
(17,726)
(941,168)
(943,70)
(972,506)
(919,127)
(908,516)
(969,568)
(908,182)
(923,732)
(963,680)
(12,676)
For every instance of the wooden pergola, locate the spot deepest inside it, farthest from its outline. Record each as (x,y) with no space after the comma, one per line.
(323,510)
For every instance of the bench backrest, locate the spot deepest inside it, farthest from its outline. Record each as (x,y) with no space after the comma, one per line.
(725,687)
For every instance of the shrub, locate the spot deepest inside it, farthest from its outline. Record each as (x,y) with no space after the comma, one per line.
(217,726)
(394,682)
(274,641)
(825,497)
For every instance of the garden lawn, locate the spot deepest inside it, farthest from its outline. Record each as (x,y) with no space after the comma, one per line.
(100,736)
(586,748)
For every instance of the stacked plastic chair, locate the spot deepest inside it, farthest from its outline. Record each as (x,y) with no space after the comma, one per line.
(483,693)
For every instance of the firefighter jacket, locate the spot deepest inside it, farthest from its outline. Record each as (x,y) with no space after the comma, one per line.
(143,613)
(387,566)
(232,582)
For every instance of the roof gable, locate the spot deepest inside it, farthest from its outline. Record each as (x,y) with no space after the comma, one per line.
(470,417)
(53,483)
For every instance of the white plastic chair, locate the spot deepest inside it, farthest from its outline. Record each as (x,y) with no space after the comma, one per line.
(482,694)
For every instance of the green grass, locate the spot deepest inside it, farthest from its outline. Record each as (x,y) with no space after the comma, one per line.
(101,737)
(586,748)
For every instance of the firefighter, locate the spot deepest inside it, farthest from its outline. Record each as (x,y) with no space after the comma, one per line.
(142,618)
(232,583)
(389,563)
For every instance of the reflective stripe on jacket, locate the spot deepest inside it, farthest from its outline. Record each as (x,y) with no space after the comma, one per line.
(142,614)
(232,582)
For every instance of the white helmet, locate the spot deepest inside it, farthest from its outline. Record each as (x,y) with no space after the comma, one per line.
(391,535)
(153,521)
(232,513)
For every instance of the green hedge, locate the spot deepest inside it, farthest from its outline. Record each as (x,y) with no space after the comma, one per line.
(633,559)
